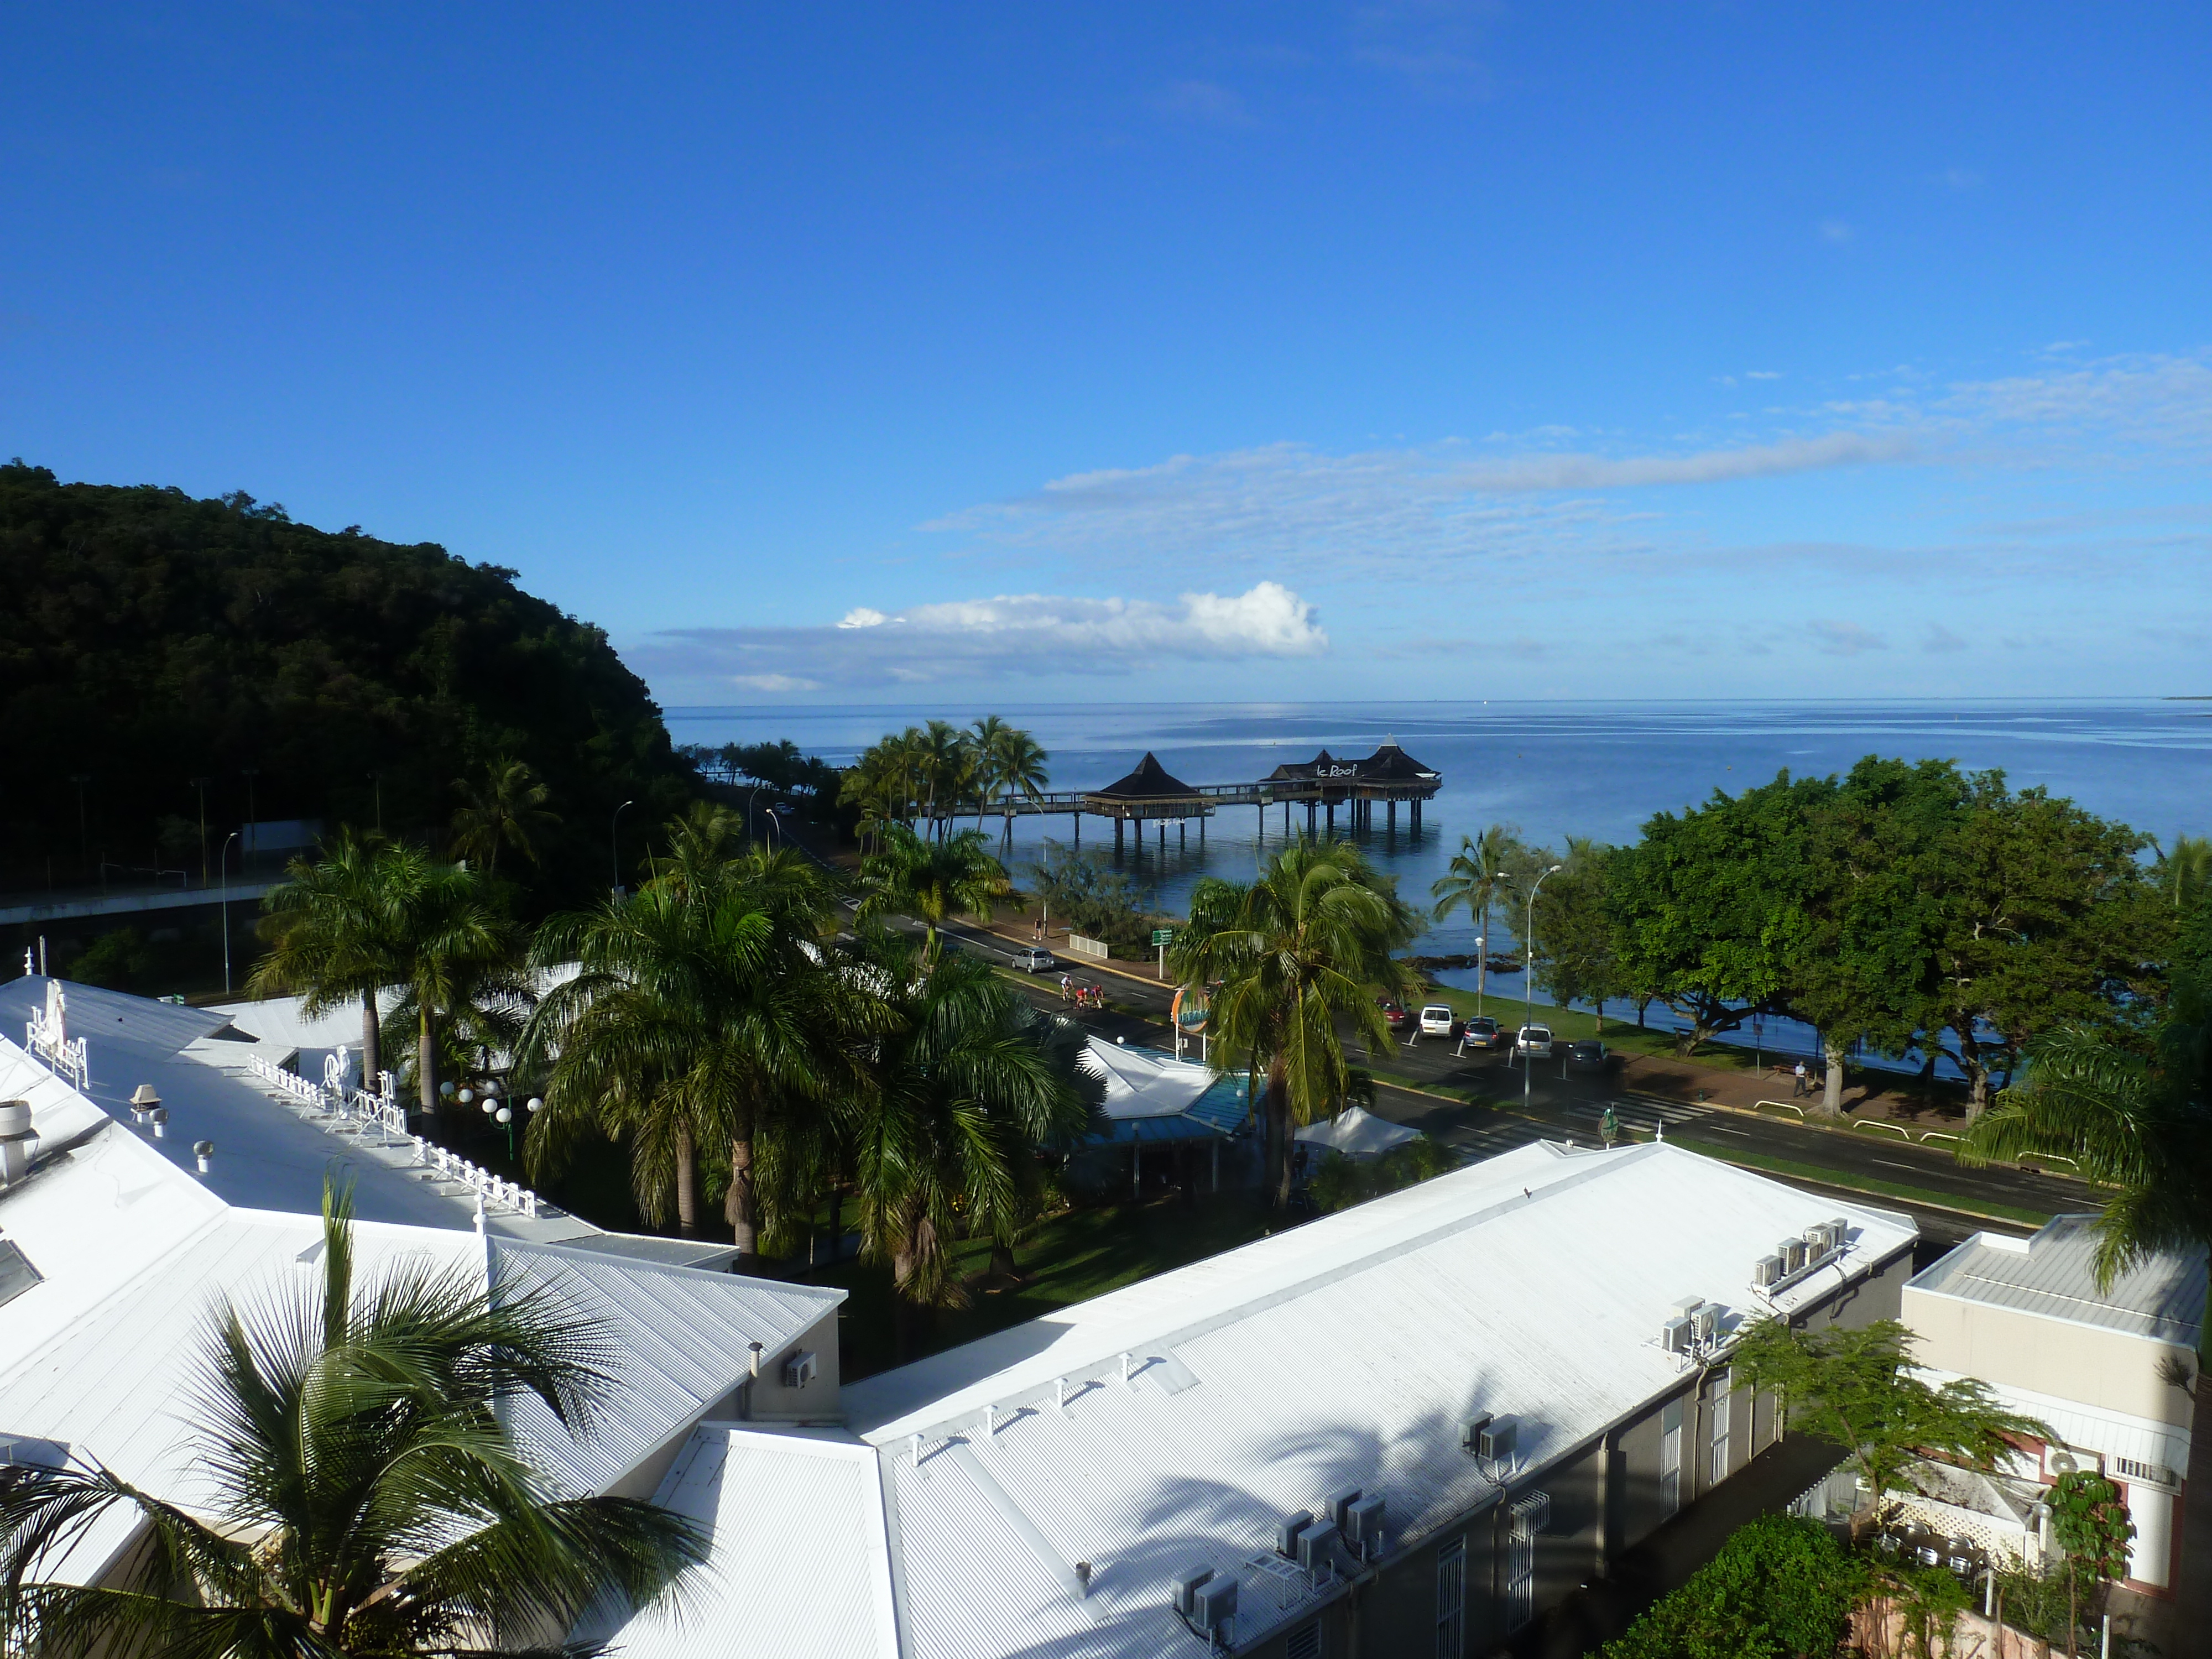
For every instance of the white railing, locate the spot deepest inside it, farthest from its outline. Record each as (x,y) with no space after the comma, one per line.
(452,1166)
(1094,948)
(66,1056)
(384,1111)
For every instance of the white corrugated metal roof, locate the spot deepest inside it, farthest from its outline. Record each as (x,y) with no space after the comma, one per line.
(1144,1082)
(1344,1353)
(799,1569)
(1357,1132)
(2053,1274)
(113,1017)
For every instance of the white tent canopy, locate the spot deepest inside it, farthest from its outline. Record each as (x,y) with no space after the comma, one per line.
(1358,1133)
(1144,1082)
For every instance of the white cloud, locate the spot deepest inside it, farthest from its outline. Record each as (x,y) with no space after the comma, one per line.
(1029,634)
(1843,638)
(861,616)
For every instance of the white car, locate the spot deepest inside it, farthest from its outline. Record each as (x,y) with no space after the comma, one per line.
(1035,961)
(1536,1042)
(1437,1020)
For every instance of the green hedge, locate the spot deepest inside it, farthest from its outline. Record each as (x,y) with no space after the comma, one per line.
(1780,1589)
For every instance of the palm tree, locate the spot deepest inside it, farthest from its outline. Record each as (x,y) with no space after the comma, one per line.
(944,762)
(2141,1126)
(328,927)
(702,1013)
(1017,763)
(2184,872)
(961,1087)
(983,737)
(1304,948)
(365,1494)
(454,952)
(508,809)
(701,840)
(932,880)
(1476,874)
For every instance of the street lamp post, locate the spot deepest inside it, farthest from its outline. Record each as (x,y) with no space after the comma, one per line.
(1528,981)
(614,845)
(222,866)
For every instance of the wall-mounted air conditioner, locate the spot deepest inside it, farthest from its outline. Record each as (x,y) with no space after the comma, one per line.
(800,1369)
(1498,1441)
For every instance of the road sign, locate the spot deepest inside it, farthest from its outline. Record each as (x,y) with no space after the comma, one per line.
(1162,937)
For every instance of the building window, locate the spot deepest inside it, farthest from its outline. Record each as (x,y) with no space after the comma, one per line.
(1451,1599)
(1670,1456)
(1304,1642)
(1720,1419)
(1529,1514)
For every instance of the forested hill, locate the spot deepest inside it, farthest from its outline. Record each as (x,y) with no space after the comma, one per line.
(148,638)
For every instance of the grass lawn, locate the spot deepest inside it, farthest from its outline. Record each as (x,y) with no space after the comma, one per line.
(1069,1258)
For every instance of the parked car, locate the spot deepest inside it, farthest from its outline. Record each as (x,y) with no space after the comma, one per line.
(1482,1032)
(1393,1013)
(1437,1020)
(1586,1056)
(1535,1041)
(1036,961)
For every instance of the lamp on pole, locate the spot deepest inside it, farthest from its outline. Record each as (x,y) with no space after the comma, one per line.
(1529,980)
(200,785)
(222,866)
(614,846)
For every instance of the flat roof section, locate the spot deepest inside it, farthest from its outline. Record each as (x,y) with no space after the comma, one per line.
(2054,1274)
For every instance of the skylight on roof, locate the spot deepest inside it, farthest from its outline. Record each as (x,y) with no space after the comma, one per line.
(17,1275)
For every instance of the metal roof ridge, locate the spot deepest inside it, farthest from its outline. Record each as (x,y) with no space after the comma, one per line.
(827,1295)
(971,1396)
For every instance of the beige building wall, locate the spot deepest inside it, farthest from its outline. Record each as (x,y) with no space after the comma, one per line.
(2107,1369)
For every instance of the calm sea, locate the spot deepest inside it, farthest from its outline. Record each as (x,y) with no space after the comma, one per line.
(1551,769)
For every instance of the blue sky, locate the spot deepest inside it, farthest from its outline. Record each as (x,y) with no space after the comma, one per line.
(1132,352)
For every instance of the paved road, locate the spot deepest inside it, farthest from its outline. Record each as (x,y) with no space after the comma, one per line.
(1560,1106)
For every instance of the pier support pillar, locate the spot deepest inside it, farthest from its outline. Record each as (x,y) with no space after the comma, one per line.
(1391,813)
(1117,838)
(1331,820)
(1183,834)
(1163,836)
(1079,829)
(1309,817)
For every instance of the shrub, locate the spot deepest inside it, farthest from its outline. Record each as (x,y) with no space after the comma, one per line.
(1781,1588)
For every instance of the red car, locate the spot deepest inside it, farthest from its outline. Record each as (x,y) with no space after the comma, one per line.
(1391,1012)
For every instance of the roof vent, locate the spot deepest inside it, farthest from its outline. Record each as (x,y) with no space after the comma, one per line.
(204,1151)
(144,1100)
(19,1141)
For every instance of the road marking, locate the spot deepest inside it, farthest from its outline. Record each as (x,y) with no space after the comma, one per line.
(1891,1163)
(1723,1129)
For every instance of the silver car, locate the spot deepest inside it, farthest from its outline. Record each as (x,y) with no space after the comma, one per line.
(1536,1042)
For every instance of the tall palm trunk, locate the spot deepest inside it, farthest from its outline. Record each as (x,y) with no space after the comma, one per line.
(687,1184)
(1278,1134)
(426,1063)
(742,1207)
(372,1040)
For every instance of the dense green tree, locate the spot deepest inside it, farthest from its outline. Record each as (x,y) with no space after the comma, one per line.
(1576,958)
(1710,905)
(364,1495)
(2140,1127)
(1780,1588)
(151,639)
(2046,920)
(932,880)
(1858,1389)
(1088,893)
(1301,957)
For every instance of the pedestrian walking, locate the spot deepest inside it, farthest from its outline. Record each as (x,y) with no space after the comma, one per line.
(1798,1088)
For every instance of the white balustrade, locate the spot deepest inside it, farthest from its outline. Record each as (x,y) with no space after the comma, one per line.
(384,1111)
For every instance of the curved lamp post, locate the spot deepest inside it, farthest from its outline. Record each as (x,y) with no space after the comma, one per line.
(614,844)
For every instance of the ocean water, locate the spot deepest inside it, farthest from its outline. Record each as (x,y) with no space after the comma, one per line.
(1551,769)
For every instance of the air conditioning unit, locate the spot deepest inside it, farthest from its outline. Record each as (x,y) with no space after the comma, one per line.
(1840,1231)
(1286,1535)
(801,1369)
(1792,1252)
(1339,1503)
(1820,1240)
(1188,1587)
(1705,1324)
(1214,1605)
(1765,1271)
(1675,1335)
(1315,1544)
(1471,1432)
(1498,1441)
(1363,1524)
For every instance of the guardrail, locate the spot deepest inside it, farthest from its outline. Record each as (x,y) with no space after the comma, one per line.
(66,1056)
(1097,950)
(1876,1123)
(1783,1105)
(384,1112)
